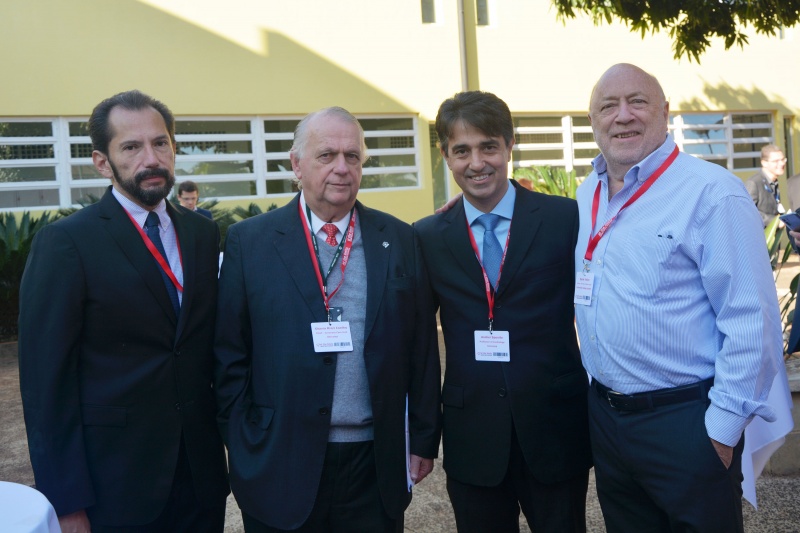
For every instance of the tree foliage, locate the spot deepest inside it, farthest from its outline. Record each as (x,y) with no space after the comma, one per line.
(690,23)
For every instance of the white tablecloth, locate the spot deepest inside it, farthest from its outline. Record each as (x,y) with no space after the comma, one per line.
(25,510)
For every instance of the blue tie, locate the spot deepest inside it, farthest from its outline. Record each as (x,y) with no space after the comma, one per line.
(492,252)
(151,228)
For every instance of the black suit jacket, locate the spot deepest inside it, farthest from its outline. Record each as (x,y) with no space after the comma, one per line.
(110,379)
(275,393)
(205,212)
(760,191)
(542,390)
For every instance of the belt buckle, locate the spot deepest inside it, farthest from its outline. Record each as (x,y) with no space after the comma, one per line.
(612,395)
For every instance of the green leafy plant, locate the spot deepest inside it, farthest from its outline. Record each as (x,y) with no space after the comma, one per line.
(16,236)
(778,258)
(549,180)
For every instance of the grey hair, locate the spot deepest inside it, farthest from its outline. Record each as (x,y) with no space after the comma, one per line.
(302,131)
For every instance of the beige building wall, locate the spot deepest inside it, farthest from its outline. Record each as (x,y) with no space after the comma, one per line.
(373,57)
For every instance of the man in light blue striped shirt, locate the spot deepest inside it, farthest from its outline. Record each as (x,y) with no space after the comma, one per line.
(677,315)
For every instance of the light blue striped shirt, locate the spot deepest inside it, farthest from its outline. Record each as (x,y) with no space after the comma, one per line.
(165,228)
(683,289)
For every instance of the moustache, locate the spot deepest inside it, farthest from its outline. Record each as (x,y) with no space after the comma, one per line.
(159,172)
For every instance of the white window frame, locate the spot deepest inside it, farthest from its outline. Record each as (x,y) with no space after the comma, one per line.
(63,162)
(678,127)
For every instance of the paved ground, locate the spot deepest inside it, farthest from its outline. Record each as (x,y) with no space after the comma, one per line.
(430,512)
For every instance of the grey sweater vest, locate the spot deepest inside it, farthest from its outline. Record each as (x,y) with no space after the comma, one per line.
(351,413)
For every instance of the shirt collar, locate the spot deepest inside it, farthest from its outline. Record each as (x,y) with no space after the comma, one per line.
(643,169)
(139,213)
(504,208)
(316,223)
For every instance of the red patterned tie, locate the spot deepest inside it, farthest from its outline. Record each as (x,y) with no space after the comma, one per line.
(330,230)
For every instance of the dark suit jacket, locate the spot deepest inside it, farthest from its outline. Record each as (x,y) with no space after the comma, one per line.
(275,393)
(205,212)
(542,390)
(758,186)
(110,380)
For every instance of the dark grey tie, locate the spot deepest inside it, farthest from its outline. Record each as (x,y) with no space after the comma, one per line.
(492,252)
(151,228)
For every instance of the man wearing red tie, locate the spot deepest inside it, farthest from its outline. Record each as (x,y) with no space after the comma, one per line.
(325,334)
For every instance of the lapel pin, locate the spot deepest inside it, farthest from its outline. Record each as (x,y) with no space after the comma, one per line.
(385,244)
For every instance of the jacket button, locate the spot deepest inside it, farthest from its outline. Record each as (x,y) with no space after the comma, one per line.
(178,406)
(177,353)
(502,392)
(327,360)
(323,411)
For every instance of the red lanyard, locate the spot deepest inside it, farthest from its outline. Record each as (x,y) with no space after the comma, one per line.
(348,244)
(593,241)
(157,255)
(490,291)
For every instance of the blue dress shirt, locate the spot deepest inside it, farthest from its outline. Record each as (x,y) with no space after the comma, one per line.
(683,289)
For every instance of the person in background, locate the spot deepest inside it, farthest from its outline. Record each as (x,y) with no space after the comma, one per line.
(188,196)
(763,185)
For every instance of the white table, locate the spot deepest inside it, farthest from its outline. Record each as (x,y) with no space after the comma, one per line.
(25,510)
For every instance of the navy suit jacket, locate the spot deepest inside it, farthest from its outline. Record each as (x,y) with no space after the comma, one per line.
(111,379)
(541,392)
(205,212)
(275,393)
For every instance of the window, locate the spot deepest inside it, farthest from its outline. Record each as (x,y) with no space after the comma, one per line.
(428,11)
(482,12)
(47,163)
(731,140)
(557,141)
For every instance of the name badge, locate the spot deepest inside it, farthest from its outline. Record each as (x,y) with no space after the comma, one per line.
(492,346)
(333,337)
(583,288)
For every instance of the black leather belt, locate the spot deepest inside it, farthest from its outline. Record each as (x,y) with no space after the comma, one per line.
(642,401)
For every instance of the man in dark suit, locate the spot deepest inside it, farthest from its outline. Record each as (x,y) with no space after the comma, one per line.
(188,196)
(763,185)
(325,333)
(115,343)
(515,428)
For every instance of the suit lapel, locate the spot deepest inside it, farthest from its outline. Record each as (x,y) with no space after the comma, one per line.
(525,223)
(376,256)
(291,247)
(457,238)
(130,243)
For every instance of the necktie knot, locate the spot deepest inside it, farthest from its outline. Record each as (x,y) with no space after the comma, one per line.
(488,221)
(330,230)
(152,220)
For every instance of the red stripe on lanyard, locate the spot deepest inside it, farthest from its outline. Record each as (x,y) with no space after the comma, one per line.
(593,242)
(156,254)
(489,289)
(314,259)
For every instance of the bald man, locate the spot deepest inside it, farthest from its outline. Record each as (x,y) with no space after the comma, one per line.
(679,324)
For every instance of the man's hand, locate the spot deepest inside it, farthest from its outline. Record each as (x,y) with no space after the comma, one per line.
(419,468)
(725,453)
(76,522)
(450,203)
(796,236)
